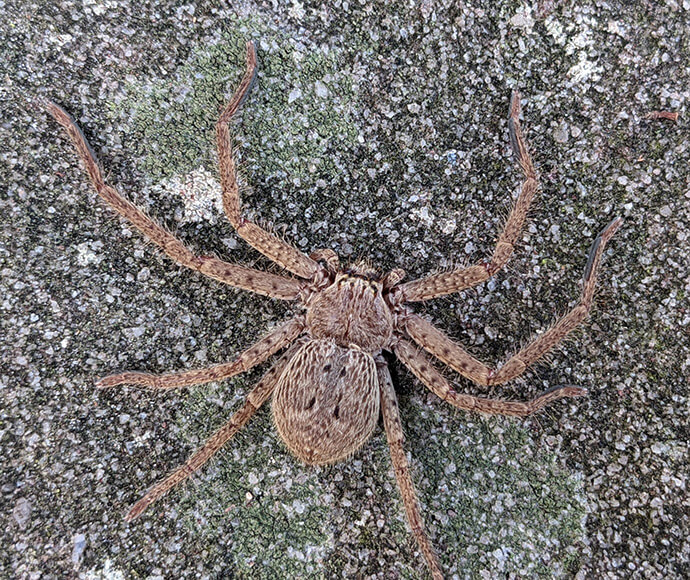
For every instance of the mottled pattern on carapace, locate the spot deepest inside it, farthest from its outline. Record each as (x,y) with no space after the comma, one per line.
(352,310)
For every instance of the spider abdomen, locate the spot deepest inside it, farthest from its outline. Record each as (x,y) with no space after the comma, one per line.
(326,402)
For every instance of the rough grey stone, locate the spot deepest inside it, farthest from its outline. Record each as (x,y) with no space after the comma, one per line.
(377,129)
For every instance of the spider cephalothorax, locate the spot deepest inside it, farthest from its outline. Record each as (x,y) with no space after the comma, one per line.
(351,311)
(332,381)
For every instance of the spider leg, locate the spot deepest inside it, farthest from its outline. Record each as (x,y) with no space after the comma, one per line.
(424,370)
(443,348)
(251,357)
(329,257)
(456,280)
(257,397)
(396,439)
(245,278)
(268,244)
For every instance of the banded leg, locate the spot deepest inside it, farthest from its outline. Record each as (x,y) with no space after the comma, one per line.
(443,348)
(425,371)
(251,357)
(268,244)
(396,439)
(257,397)
(448,282)
(245,278)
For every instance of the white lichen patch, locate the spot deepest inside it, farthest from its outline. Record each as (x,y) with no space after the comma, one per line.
(579,41)
(523,19)
(584,70)
(107,572)
(88,253)
(200,192)
(422,214)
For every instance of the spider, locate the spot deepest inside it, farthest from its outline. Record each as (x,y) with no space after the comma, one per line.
(332,381)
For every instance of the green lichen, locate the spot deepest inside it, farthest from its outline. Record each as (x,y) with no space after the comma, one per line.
(298,109)
(494,499)
(270,507)
(504,503)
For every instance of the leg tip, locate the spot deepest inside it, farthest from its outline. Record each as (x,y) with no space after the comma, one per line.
(251,54)
(107,382)
(611,228)
(43,102)
(572,391)
(55,111)
(137,509)
(567,391)
(514,105)
(132,514)
(598,246)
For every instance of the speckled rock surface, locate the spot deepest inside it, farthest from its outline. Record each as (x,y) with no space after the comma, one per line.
(377,129)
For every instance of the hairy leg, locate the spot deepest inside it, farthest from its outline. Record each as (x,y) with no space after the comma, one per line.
(329,257)
(251,357)
(396,439)
(257,397)
(265,242)
(245,278)
(448,282)
(443,348)
(425,371)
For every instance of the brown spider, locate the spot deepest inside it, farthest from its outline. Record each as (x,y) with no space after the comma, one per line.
(332,381)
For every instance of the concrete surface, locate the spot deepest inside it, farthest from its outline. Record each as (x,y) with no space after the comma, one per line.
(377,129)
